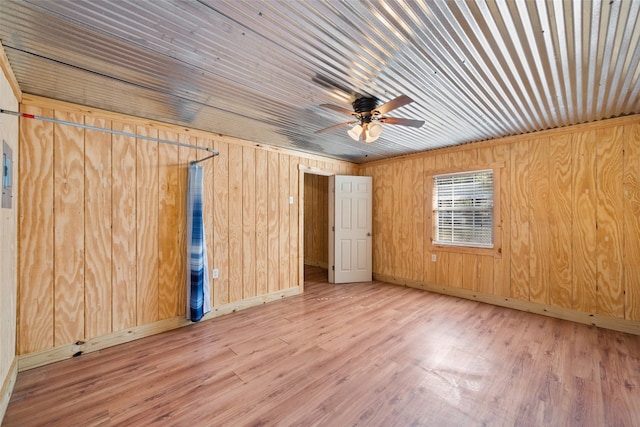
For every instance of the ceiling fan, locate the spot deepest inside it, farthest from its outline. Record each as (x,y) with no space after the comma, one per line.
(368,116)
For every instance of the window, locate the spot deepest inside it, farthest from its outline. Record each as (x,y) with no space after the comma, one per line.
(463,209)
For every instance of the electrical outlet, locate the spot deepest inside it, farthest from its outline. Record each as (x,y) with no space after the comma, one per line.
(433,257)
(290,200)
(214,273)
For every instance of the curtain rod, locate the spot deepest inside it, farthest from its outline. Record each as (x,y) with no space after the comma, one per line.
(115,132)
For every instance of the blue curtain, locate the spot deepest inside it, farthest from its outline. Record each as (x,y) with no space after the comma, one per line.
(198,293)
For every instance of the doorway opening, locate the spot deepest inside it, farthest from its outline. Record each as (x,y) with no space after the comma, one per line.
(316,226)
(348,211)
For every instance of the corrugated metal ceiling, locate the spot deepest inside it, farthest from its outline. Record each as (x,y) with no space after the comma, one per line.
(259,70)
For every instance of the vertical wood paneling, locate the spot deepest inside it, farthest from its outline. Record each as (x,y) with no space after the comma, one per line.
(323,211)
(631,224)
(501,274)
(262,226)
(486,268)
(442,268)
(407,218)
(283,217)
(308,216)
(235,223)
(469,271)
(97,239)
(417,220)
(302,221)
(560,202)
(147,226)
(68,230)
(455,262)
(398,237)
(466,158)
(520,233)
(35,228)
(123,232)
(462,159)
(376,217)
(316,219)
(221,223)
(588,177)
(428,164)
(9,335)
(402,216)
(248,222)
(383,216)
(539,221)
(553,246)
(171,282)
(322,239)
(273,264)
(583,230)
(609,220)
(315,242)
(293,221)
(443,272)
(120,224)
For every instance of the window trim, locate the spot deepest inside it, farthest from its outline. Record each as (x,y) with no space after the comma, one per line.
(496,250)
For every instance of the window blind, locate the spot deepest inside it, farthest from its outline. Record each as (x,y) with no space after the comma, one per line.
(463,209)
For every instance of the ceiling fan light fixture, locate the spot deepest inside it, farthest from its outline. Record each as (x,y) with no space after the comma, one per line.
(370,116)
(355,132)
(373,132)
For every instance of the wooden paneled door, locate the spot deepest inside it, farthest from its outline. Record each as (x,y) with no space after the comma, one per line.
(350,246)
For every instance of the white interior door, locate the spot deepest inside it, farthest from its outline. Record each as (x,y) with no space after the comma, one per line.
(350,201)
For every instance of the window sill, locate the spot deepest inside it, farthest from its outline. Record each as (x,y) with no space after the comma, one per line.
(495,252)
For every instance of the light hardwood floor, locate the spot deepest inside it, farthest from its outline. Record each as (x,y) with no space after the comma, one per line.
(368,354)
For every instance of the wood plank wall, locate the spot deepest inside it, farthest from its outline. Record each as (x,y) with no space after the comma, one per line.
(316,220)
(8,241)
(570,212)
(102,224)
(101,230)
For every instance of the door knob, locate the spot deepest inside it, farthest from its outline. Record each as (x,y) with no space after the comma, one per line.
(368,234)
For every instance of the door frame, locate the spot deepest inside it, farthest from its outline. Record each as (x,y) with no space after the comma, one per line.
(313,170)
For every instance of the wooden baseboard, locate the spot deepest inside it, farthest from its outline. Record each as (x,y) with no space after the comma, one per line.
(320,264)
(7,387)
(63,352)
(613,323)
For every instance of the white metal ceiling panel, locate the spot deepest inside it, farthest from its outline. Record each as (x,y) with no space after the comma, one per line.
(259,70)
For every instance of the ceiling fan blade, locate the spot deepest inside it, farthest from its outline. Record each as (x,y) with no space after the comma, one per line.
(393,104)
(339,125)
(402,122)
(338,109)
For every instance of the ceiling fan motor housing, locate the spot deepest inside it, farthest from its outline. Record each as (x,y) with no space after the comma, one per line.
(364,107)
(366,110)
